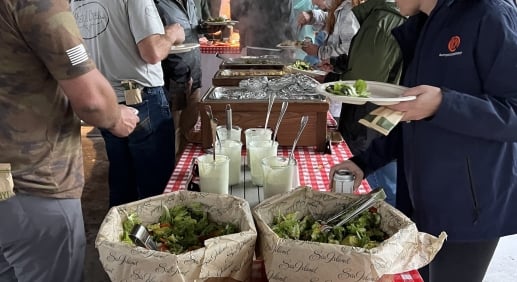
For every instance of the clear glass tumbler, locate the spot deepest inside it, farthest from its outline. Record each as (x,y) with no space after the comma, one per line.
(278,175)
(252,134)
(232,149)
(234,134)
(258,150)
(213,175)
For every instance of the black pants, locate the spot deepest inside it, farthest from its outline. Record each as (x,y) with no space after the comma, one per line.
(460,262)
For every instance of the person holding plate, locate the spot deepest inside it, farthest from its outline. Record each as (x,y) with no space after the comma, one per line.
(457,149)
(182,71)
(374,56)
(128,41)
(340,25)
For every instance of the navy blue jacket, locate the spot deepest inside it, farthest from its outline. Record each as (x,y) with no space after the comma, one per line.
(460,165)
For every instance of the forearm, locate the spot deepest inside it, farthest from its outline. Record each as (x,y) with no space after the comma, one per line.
(325,52)
(93,99)
(153,49)
(380,152)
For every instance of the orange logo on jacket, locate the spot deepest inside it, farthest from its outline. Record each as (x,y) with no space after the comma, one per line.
(454,43)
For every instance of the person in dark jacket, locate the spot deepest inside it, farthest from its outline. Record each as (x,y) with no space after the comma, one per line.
(182,71)
(459,144)
(374,55)
(203,10)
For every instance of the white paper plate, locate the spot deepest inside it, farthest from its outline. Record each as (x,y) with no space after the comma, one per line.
(288,46)
(182,48)
(308,72)
(381,94)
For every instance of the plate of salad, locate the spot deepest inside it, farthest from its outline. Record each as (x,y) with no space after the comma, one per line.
(303,67)
(358,92)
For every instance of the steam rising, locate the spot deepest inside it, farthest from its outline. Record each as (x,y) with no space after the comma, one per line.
(264,23)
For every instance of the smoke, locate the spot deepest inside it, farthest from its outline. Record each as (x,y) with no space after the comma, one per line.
(264,23)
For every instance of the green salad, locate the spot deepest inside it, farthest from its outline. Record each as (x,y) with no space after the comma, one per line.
(180,228)
(301,65)
(363,231)
(217,19)
(358,89)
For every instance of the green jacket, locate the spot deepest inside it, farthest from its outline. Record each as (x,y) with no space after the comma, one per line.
(374,55)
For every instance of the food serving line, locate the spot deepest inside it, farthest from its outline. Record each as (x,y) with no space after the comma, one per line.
(314,158)
(242,91)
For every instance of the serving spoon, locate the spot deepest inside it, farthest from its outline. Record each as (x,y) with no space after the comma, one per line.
(229,124)
(303,124)
(213,127)
(280,117)
(269,107)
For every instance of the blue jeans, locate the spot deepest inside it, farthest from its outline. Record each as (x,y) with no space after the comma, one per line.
(385,177)
(142,163)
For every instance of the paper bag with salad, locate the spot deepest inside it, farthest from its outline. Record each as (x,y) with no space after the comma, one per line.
(216,240)
(362,254)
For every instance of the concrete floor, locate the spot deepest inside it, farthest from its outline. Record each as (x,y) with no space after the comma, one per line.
(503,267)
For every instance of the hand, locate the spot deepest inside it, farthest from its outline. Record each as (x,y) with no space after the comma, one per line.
(127,122)
(322,4)
(351,166)
(428,99)
(310,49)
(304,18)
(203,40)
(175,33)
(325,65)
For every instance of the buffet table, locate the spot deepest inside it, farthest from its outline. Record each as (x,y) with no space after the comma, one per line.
(313,167)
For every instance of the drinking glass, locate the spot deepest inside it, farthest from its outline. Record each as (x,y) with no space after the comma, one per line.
(252,134)
(235,133)
(258,150)
(278,175)
(213,175)
(232,149)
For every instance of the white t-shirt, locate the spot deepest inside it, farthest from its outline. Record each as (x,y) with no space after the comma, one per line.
(111,31)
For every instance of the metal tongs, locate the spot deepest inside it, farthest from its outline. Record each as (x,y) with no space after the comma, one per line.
(355,208)
(224,58)
(141,237)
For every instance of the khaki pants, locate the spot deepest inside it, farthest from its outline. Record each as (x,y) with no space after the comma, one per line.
(185,112)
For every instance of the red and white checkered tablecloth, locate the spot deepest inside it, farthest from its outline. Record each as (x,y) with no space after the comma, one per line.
(313,166)
(331,122)
(412,275)
(214,49)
